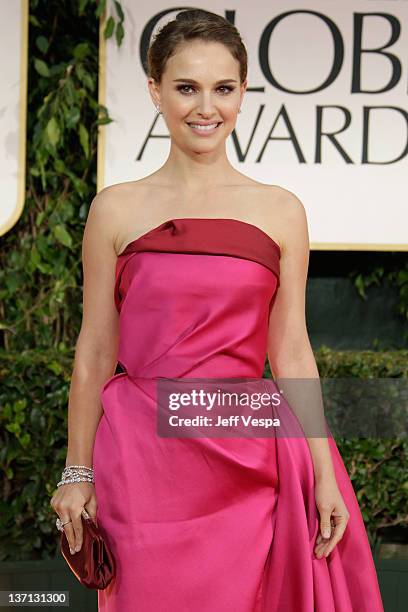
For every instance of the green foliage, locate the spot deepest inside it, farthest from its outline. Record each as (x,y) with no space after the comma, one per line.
(33,426)
(377,467)
(378,471)
(41,271)
(395,275)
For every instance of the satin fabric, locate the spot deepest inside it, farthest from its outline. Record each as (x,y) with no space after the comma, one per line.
(211,524)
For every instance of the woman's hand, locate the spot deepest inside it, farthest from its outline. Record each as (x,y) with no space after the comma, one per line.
(68,503)
(333,513)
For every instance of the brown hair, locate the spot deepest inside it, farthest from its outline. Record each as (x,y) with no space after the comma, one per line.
(193,24)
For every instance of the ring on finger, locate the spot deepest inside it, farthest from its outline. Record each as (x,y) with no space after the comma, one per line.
(60,524)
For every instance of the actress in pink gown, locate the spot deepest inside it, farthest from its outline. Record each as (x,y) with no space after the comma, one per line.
(211,524)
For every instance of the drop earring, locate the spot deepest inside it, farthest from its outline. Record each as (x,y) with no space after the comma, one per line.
(239,110)
(158,110)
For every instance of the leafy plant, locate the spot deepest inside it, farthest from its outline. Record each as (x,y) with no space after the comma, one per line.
(41,272)
(396,275)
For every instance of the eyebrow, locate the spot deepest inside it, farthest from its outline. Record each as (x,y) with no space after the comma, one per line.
(196,83)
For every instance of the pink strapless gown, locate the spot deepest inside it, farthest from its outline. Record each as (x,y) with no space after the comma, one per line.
(211,524)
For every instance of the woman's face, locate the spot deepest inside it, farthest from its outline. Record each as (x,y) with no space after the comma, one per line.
(200,85)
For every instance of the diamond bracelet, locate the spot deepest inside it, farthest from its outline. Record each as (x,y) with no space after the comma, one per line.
(76,473)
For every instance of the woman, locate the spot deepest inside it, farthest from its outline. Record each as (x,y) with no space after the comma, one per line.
(193,272)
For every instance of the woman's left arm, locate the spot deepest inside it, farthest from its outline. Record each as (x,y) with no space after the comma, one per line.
(291,356)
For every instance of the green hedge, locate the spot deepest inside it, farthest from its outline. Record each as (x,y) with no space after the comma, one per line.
(33,438)
(40,259)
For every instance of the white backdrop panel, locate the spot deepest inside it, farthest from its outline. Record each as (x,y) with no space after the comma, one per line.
(322,116)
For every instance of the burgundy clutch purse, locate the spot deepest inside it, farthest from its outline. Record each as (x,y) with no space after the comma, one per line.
(94,564)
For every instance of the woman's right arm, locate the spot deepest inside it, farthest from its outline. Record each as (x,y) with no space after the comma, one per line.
(94,363)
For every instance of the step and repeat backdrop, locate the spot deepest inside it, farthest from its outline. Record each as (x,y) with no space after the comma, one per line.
(325,113)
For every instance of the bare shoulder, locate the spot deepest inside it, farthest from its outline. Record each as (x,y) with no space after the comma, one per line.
(101,225)
(119,194)
(290,205)
(276,197)
(284,214)
(114,211)
(108,200)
